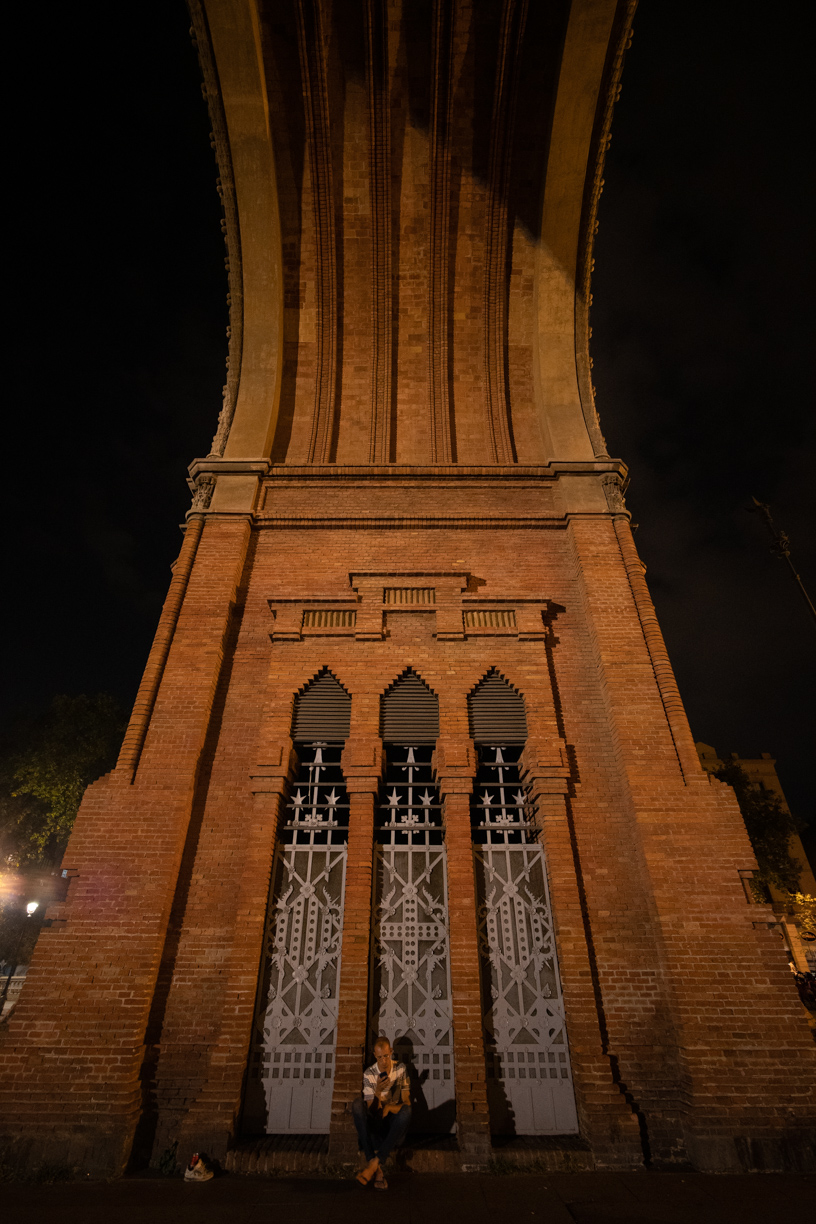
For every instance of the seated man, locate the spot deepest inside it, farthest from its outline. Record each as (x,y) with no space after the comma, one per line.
(382,1114)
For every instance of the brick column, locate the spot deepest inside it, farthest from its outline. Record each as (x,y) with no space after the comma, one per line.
(454,764)
(691,1059)
(75,1044)
(605,1118)
(362,762)
(210,1121)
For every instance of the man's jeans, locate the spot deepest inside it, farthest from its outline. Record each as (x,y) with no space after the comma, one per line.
(378,1135)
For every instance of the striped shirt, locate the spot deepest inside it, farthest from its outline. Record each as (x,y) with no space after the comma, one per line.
(398,1083)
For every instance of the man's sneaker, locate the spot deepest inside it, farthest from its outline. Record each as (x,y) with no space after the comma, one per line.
(196,1170)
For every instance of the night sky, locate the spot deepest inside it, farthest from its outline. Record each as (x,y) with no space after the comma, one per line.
(702,325)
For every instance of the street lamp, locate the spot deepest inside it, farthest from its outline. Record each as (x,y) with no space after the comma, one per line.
(31,909)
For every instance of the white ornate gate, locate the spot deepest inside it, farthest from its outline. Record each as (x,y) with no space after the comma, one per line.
(410,979)
(529,1080)
(295,1030)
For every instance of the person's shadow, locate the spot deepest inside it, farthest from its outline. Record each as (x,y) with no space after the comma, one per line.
(500,1107)
(425,1120)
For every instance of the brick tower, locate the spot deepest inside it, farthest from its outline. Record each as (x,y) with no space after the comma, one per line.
(408,755)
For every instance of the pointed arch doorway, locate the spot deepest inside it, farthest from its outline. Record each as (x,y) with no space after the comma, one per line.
(291,1070)
(410,990)
(529,1077)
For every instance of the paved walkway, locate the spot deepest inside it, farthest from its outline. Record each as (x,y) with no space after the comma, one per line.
(558,1198)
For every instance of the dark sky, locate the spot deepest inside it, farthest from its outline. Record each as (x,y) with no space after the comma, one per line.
(702,325)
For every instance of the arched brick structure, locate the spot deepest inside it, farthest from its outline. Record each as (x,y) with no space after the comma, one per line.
(408,472)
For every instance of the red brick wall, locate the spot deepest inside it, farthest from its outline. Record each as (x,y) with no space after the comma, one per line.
(427,277)
(678,1008)
(72,1056)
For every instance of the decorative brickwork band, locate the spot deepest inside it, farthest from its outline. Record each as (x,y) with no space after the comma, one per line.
(409,595)
(143,707)
(502,619)
(325,619)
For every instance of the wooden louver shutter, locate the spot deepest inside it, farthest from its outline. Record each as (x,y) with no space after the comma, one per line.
(322,711)
(409,712)
(496,712)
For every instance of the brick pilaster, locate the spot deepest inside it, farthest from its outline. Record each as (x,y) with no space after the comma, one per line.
(211,1120)
(675,934)
(605,1118)
(79,1034)
(455,768)
(362,768)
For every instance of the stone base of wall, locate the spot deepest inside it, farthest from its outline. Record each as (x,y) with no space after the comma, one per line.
(309,1155)
(80,1151)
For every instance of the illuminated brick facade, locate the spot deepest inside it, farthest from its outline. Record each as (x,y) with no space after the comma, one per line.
(410,194)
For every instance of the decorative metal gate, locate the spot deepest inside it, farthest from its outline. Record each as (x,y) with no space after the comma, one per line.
(410,972)
(529,1080)
(292,1060)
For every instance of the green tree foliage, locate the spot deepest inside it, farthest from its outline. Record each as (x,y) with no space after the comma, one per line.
(769,827)
(18,935)
(46,763)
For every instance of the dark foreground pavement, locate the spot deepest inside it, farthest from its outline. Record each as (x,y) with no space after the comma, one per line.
(558,1198)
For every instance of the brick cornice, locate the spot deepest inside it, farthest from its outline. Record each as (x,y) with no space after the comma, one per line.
(290,472)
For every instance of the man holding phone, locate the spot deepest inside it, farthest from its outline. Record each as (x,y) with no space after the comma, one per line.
(383,1113)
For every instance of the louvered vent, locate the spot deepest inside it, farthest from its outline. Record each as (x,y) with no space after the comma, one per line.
(409,595)
(496,712)
(325,618)
(409,712)
(322,711)
(502,619)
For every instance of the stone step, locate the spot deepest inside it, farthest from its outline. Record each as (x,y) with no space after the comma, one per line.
(278,1155)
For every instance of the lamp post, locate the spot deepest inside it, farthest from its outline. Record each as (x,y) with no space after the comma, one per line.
(781,548)
(31,909)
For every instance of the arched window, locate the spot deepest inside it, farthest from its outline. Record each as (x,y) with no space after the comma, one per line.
(496,712)
(498,724)
(322,711)
(409,712)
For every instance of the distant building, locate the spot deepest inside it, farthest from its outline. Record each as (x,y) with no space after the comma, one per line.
(762,770)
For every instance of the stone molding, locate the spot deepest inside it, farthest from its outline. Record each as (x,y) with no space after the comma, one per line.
(258,487)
